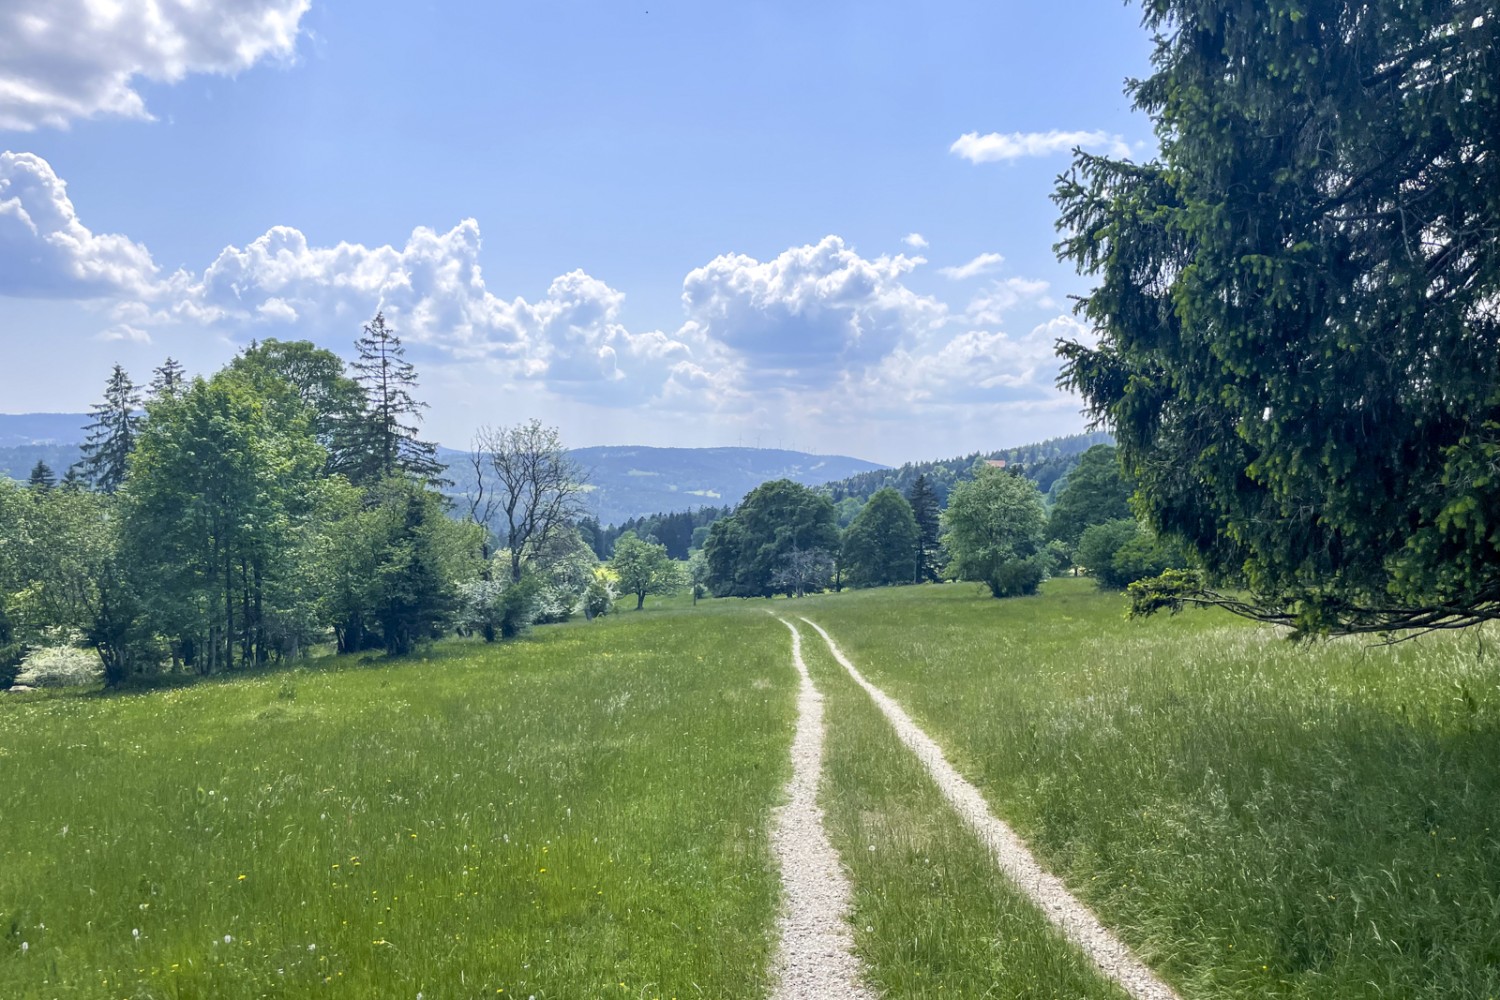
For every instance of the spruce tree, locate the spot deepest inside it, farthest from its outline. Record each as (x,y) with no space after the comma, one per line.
(168,381)
(385,443)
(924,507)
(111,435)
(72,480)
(42,477)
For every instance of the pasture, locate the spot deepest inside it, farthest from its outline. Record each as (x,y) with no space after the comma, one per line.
(584,813)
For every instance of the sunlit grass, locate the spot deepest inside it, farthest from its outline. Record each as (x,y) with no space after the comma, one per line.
(581,814)
(1256,818)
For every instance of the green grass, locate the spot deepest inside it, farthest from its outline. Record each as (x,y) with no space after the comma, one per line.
(582,814)
(932,916)
(1255,818)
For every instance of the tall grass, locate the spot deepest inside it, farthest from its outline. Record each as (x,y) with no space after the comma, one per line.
(932,916)
(1256,818)
(582,814)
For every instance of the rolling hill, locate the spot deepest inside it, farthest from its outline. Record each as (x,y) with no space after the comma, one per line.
(624,482)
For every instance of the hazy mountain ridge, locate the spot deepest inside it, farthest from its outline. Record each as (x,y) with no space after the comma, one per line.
(626,481)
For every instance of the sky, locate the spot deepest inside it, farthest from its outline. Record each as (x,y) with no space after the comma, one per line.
(824,226)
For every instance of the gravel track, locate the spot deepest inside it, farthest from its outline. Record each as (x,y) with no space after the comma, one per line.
(815,958)
(1076,921)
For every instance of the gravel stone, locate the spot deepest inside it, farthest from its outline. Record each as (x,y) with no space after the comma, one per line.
(815,957)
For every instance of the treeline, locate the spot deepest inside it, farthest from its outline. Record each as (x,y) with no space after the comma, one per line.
(1044,463)
(996,529)
(224,522)
(680,531)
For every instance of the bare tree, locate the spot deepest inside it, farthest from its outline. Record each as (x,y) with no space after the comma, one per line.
(536,485)
(483,502)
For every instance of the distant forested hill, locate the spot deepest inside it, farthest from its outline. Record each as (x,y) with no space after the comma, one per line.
(632,482)
(1044,463)
(625,482)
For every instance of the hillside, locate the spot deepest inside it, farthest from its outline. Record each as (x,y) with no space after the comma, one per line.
(625,482)
(1044,463)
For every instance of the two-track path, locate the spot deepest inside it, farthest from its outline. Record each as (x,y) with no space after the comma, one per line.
(1076,921)
(815,958)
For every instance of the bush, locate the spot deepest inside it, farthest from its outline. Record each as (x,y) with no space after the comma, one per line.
(518,607)
(599,597)
(1019,577)
(1118,553)
(555,603)
(500,608)
(60,666)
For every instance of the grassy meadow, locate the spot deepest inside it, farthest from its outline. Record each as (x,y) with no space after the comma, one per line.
(583,813)
(1255,818)
(579,814)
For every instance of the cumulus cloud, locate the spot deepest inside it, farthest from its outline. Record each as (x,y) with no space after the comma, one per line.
(817,330)
(62,60)
(916,241)
(995,146)
(983,264)
(433,291)
(46,252)
(809,314)
(974,368)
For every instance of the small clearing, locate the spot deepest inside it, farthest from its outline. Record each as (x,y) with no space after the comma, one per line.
(1076,921)
(815,957)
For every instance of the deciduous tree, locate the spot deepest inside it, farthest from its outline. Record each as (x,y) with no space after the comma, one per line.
(993,532)
(539,489)
(745,550)
(643,568)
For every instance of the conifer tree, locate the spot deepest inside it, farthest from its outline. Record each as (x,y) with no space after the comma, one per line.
(924,507)
(72,481)
(42,477)
(169,380)
(385,443)
(111,435)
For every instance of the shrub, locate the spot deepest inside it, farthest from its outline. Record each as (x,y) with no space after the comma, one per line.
(500,608)
(60,666)
(1118,553)
(1018,577)
(599,597)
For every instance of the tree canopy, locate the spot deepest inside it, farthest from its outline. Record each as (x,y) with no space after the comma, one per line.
(1095,491)
(1296,305)
(772,526)
(993,532)
(882,544)
(644,568)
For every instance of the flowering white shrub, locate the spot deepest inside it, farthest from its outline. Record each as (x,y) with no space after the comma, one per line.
(60,666)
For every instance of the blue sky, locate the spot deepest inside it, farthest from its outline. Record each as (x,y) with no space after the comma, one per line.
(814,225)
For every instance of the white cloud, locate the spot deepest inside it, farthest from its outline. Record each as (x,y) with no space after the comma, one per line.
(46,252)
(916,241)
(977,367)
(983,264)
(126,333)
(817,333)
(62,60)
(995,146)
(989,307)
(809,314)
